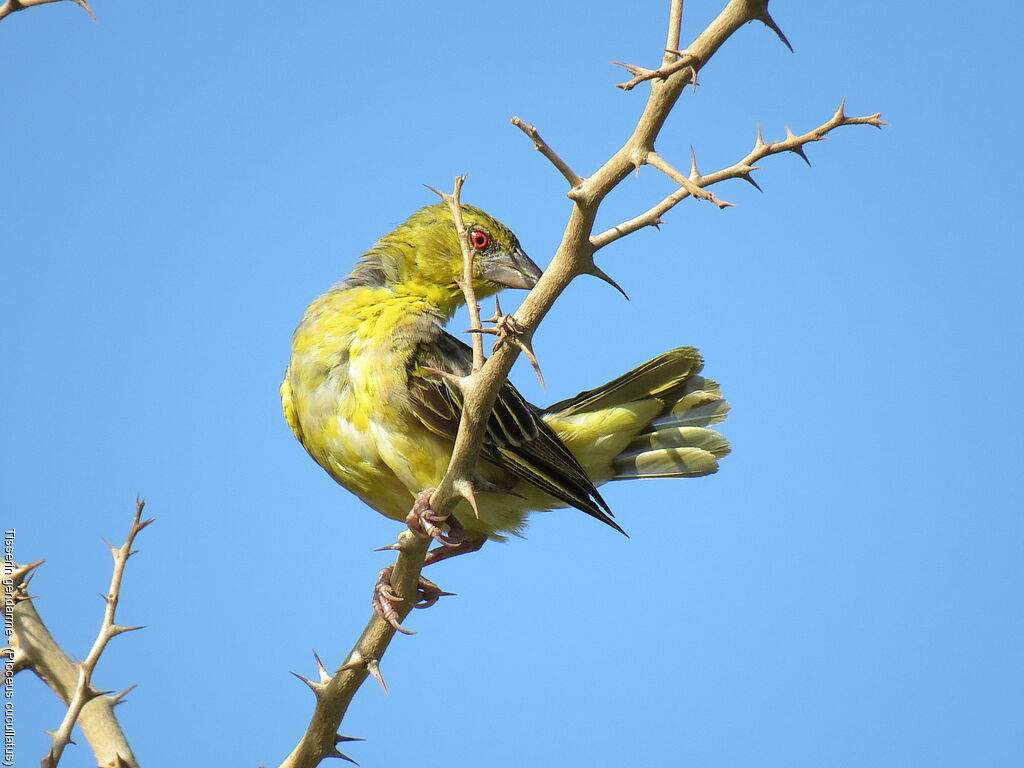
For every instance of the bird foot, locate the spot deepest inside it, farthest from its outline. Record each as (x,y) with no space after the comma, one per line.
(385,601)
(423,522)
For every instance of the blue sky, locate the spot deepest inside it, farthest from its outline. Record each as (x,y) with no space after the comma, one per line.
(178,185)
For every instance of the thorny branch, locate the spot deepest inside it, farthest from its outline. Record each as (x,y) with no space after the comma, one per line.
(334,692)
(743,169)
(12,6)
(32,647)
(109,629)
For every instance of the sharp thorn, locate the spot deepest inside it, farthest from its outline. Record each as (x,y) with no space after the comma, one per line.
(324,675)
(373,667)
(19,575)
(840,114)
(119,698)
(465,490)
(437,192)
(596,271)
(694,173)
(339,754)
(309,683)
(759,140)
(338,738)
(769,22)
(389,546)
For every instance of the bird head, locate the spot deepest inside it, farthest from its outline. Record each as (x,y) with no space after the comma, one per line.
(422,256)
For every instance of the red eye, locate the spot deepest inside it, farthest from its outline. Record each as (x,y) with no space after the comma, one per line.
(479,239)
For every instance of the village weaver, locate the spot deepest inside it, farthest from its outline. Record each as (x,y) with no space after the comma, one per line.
(363,395)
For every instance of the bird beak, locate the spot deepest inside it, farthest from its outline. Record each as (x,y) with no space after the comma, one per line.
(513,270)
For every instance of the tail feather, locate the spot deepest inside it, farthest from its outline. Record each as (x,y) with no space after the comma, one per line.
(671,452)
(650,422)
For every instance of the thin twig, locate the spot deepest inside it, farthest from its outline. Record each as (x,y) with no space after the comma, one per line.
(541,146)
(742,169)
(675,25)
(466,284)
(657,161)
(686,60)
(12,6)
(84,690)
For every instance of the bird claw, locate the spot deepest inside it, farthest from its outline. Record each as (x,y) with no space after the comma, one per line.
(385,601)
(423,522)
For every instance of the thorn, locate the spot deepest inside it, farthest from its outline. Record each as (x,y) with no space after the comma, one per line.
(769,22)
(799,150)
(389,546)
(356,661)
(694,173)
(113,549)
(465,490)
(437,192)
(528,351)
(309,683)
(840,114)
(490,331)
(324,676)
(338,753)
(596,271)
(745,175)
(373,667)
(789,134)
(18,575)
(116,629)
(759,141)
(693,79)
(338,738)
(119,698)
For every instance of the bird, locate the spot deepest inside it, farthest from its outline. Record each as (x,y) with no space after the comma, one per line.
(370,392)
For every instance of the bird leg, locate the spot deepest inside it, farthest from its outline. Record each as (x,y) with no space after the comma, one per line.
(423,522)
(437,554)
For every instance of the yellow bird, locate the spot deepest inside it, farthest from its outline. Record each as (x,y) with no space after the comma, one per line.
(360,396)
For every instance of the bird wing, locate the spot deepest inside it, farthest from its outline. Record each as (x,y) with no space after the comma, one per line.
(516,438)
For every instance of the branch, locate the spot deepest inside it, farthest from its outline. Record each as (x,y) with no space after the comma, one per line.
(541,146)
(742,169)
(84,691)
(12,6)
(32,647)
(334,692)
(466,284)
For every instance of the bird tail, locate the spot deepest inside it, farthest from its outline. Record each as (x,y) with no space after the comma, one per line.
(651,422)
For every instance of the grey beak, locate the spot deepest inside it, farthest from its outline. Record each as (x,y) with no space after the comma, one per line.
(513,270)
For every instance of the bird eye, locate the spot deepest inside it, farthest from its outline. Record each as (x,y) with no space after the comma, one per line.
(479,239)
